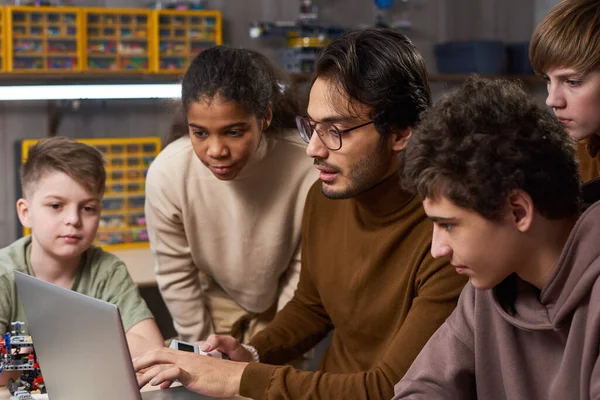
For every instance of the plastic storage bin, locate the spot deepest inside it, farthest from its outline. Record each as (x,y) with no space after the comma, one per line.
(481,57)
(43,39)
(303,52)
(2,39)
(118,40)
(517,59)
(181,35)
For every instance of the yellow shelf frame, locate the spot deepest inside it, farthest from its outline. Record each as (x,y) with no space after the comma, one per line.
(81,55)
(125,211)
(9,23)
(3,40)
(117,13)
(186,39)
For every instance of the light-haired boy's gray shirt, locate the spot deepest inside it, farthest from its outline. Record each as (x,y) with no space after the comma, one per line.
(100,275)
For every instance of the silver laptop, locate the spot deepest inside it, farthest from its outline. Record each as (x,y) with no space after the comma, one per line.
(81,345)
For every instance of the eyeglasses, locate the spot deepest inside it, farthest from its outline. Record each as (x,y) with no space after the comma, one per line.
(329,134)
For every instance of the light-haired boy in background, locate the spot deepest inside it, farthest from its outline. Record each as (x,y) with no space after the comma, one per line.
(498,178)
(565,50)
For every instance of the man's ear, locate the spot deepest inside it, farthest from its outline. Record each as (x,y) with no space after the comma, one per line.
(23,213)
(399,139)
(521,209)
(268,118)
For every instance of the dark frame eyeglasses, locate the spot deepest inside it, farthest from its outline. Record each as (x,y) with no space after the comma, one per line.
(329,134)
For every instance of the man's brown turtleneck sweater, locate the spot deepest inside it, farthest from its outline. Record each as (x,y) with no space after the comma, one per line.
(589,159)
(367,273)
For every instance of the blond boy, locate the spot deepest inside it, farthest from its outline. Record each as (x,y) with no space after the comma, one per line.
(565,50)
(63,183)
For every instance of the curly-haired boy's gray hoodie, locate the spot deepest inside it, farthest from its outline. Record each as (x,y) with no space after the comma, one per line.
(516,342)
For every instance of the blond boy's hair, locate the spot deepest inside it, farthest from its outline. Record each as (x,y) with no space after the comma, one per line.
(568,37)
(82,162)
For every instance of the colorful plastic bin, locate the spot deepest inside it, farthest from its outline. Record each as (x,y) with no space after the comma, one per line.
(118,40)
(43,39)
(181,35)
(2,39)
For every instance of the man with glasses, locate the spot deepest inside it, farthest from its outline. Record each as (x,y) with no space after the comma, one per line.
(367,273)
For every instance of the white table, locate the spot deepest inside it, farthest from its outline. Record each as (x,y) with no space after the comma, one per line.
(5,394)
(140,265)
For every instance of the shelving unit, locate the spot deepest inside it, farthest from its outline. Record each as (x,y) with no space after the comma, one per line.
(43,39)
(302,52)
(46,40)
(2,39)
(122,222)
(118,40)
(181,35)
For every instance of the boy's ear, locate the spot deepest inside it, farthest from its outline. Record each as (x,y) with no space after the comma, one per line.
(521,210)
(399,139)
(23,213)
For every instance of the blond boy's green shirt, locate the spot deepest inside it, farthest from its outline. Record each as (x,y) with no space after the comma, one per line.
(100,275)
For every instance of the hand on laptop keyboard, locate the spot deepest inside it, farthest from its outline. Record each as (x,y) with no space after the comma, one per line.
(205,375)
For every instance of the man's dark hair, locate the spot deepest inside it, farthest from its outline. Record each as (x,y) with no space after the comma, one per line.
(484,140)
(380,68)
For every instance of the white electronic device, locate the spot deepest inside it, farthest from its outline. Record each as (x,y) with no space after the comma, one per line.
(193,348)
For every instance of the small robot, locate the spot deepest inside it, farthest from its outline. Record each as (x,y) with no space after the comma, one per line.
(21,395)
(17,354)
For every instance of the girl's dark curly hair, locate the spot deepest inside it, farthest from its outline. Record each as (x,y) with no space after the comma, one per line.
(242,76)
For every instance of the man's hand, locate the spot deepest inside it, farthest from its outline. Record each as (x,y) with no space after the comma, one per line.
(201,374)
(227,345)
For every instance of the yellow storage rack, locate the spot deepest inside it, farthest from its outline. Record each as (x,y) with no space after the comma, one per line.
(181,35)
(122,222)
(118,40)
(2,40)
(43,39)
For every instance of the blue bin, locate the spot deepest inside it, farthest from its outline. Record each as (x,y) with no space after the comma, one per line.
(517,59)
(475,56)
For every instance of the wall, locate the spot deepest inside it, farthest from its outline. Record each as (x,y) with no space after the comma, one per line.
(541,8)
(433,21)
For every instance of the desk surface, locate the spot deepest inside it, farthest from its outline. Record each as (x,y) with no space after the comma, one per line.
(5,394)
(140,265)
